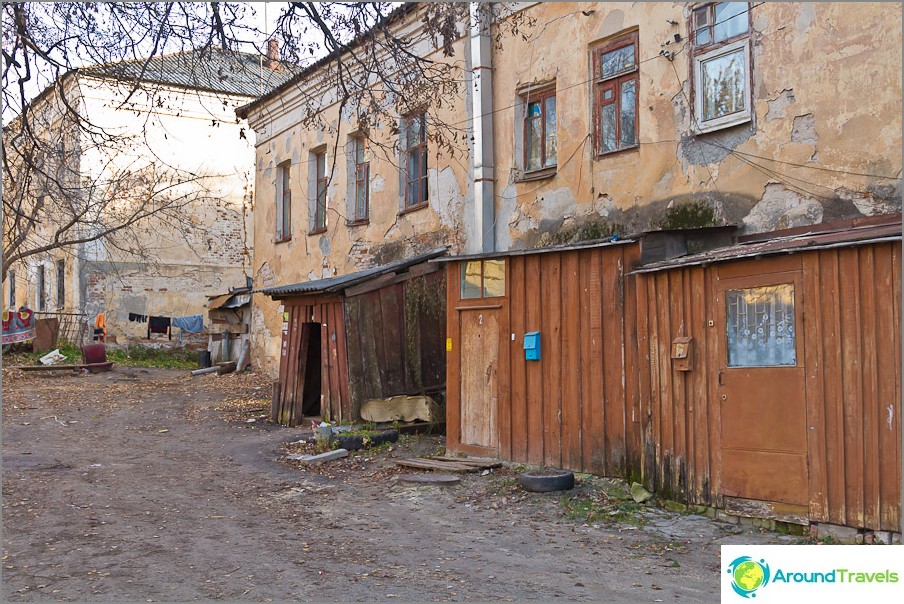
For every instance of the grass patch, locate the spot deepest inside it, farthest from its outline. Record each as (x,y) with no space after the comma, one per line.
(160,358)
(72,352)
(602,500)
(133,356)
(598,507)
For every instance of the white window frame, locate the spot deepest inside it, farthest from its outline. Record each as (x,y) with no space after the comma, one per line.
(281,170)
(313,178)
(732,119)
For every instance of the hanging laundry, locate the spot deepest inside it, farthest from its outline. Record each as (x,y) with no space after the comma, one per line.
(159,325)
(18,326)
(191,324)
(100,327)
(136,318)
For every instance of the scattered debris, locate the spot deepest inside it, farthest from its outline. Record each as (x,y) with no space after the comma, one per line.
(437,479)
(53,358)
(328,456)
(448,464)
(400,408)
(640,494)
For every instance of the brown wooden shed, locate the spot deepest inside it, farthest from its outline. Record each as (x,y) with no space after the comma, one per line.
(371,334)
(572,407)
(762,377)
(788,404)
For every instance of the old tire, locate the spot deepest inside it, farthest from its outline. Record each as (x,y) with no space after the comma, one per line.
(544,481)
(386,436)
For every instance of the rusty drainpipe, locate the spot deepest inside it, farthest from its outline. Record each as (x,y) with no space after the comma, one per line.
(483,160)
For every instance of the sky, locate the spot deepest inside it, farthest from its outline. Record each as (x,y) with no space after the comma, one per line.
(264,19)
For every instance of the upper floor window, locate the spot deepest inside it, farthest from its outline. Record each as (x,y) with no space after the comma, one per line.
(40,289)
(11,279)
(721,56)
(540,130)
(320,182)
(61,283)
(615,94)
(359,184)
(415,146)
(283,202)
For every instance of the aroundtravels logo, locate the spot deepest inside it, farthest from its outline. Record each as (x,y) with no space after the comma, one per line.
(748,575)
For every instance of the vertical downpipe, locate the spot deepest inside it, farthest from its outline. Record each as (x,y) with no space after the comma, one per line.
(483,161)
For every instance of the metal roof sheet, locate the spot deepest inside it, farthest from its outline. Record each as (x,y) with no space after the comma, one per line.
(214,69)
(584,245)
(827,235)
(342,282)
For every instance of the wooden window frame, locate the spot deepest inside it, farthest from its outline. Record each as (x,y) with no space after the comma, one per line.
(284,198)
(41,297)
(419,148)
(61,283)
(699,54)
(615,82)
(537,96)
(321,183)
(361,179)
(463,266)
(11,279)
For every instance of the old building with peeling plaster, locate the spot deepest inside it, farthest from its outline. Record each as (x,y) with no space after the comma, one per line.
(180,121)
(593,120)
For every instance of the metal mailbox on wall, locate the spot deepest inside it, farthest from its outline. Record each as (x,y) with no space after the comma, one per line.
(532,346)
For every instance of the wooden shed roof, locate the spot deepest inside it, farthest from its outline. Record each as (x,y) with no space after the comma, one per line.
(584,245)
(343,282)
(846,233)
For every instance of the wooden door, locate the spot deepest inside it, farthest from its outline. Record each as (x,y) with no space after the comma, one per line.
(760,385)
(479,380)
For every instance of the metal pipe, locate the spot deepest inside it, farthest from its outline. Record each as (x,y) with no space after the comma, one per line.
(483,160)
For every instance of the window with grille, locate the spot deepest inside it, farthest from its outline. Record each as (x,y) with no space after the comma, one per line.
(761,330)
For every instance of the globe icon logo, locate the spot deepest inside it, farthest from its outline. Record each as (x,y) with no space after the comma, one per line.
(748,575)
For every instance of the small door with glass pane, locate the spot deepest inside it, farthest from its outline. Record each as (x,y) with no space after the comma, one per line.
(482,285)
(760,388)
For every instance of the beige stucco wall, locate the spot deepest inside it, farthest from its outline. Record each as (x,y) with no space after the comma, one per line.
(827,95)
(391,234)
(204,253)
(812,64)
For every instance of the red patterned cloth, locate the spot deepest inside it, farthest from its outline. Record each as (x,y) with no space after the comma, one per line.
(18,326)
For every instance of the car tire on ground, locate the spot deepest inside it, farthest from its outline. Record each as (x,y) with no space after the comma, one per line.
(543,481)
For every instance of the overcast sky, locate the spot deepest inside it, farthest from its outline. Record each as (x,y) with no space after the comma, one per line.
(261,15)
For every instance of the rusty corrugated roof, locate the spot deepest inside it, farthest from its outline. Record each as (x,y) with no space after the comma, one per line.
(343,282)
(820,236)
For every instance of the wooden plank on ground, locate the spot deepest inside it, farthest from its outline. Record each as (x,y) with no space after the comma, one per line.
(478,462)
(443,466)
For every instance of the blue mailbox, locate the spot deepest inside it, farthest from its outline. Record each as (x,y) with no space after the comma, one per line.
(532,346)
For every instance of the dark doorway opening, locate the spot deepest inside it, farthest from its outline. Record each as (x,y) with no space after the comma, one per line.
(309,363)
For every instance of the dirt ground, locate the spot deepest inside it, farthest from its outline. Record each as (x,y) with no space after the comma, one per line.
(145,484)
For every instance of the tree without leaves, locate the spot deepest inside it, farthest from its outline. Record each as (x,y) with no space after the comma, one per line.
(376,72)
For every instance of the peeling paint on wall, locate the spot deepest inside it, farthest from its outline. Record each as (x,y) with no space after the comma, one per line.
(803,130)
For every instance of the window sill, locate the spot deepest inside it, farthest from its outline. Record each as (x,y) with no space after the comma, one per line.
(317,231)
(283,240)
(617,151)
(414,208)
(356,223)
(721,126)
(537,174)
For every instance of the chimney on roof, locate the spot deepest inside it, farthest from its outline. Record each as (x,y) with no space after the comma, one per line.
(272,61)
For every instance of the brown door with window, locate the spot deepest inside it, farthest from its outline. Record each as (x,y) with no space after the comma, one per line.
(760,387)
(479,383)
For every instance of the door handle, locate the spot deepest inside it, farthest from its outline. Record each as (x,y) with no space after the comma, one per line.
(721,383)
